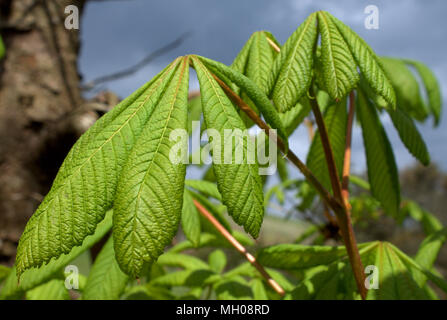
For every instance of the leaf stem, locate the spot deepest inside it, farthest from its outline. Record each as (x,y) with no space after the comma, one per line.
(239,247)
(347,157)
(343,215)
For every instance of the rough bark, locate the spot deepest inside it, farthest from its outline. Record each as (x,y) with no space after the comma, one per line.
(39,91)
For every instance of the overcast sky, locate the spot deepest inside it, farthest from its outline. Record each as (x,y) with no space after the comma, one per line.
(117,34)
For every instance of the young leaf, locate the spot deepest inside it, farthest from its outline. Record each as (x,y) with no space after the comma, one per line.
(410,136)
(368,62)
(406,86)
(297,256)
(335,119)
(34,277)
(150,192)
(239,184)
(190,219)
(106,281)
(292,69)
(251,89)
(382,170)
(259,292)
(85,185)
(205,187)
(431,87)
(340,74)
(181,261)
(52,290)
(217,260)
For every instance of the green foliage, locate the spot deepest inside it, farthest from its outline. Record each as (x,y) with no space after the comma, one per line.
(124,163)
(150,192)
(382,170)
(106,281)
(2,48)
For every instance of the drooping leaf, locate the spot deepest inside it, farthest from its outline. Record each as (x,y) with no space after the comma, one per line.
(255,94)
(292,69)
(85,185)
(150,192)
(431,88)
(368,62)
(34,277)
(335,119)
(106,281)
(239,184)
(410,136)
(406,86)
(292,118)
(339,71)
(382,169)
(190,219)
(52,290)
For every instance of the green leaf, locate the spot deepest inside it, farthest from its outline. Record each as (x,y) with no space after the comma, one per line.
(368,62)
(382,170)
(85,185)
(213,240)
(335,119)
(340,74)
(34,277)
(292,69)
(255,94)
(187,278)
(234,288)
(190,219)
(194,113)
(207,188)
(259,292)
(410,135)
(292,118)
(52,290)
(406,86)
(218,211)
(2,48)
(217,260)
(298,256)
(181,261)
(239,184)
(4,272)
(429,249)
(150,192)
(106,281)
(431,88)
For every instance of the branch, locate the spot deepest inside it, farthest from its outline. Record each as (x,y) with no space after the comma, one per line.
(239,247)
(336,204)
(347,157)
(131,70)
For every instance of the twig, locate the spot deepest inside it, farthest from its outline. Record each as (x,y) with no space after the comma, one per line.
(131,70)
(347,157)
(239,247)
(336,204)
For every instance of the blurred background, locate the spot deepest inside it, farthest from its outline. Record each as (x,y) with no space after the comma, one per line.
(54,83)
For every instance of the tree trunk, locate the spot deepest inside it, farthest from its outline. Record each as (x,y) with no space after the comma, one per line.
(39,88)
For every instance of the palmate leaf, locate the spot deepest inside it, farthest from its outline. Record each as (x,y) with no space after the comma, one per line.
(335,119)
(105,281)
(150,192)
(239,184)
(339,71)
(85,185)
(431,88)
(382,169)
(292,69)
(368,62)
